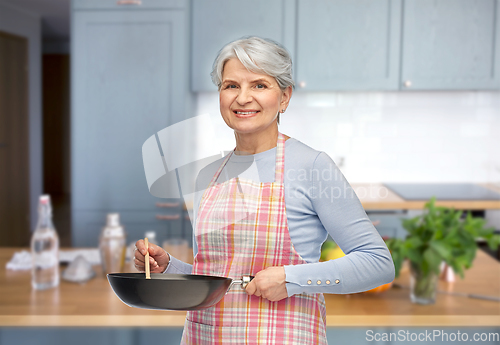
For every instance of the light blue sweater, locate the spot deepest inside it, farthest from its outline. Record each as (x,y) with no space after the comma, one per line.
(319,201)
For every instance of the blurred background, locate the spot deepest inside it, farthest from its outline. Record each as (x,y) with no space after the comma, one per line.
(402,92)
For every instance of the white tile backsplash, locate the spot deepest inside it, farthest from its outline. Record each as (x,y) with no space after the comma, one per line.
(488,114)
(367,145)
(395,136)
(344,129)
(474,129)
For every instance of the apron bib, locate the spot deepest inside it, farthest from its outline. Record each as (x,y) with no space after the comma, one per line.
(242,229)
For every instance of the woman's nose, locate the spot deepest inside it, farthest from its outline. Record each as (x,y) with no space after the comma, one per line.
(244,96)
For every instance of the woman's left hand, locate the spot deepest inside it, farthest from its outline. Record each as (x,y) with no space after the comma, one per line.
(269,283)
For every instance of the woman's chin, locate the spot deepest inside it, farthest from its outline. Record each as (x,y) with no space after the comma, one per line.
(248,127)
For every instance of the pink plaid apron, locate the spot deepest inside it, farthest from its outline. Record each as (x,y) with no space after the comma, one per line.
(242,229)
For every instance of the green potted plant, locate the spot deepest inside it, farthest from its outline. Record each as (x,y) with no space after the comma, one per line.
(439,234)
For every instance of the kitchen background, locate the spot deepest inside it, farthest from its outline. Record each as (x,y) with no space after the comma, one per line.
(393,91)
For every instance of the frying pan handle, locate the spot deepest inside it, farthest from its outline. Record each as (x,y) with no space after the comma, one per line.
(243,281)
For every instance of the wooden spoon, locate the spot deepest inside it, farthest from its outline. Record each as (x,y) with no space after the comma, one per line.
(146,259)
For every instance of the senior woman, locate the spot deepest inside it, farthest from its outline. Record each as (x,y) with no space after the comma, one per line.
(270,222)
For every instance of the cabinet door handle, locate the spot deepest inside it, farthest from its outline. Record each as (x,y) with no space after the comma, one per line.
(407,83)
(129,2)
(302,84)
(165,217)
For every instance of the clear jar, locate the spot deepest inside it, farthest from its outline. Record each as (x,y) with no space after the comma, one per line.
(112,245)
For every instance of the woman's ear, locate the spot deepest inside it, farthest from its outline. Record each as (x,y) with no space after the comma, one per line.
(287,94)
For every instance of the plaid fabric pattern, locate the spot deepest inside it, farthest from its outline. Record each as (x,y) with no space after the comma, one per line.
(242,229)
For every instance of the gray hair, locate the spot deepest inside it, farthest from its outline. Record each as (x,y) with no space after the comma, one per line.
(258,55)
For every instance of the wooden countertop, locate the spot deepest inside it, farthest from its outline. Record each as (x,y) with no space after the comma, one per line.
(375,196)
(95,304)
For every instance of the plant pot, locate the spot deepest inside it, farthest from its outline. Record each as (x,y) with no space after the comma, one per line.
(423,287)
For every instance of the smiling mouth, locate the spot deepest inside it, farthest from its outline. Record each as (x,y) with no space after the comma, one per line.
(245,113)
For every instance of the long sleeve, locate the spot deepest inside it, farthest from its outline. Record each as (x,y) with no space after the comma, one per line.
(177,266)
(368,262)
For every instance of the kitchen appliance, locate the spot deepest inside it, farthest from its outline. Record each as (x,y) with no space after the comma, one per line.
(172,291)
(442,191)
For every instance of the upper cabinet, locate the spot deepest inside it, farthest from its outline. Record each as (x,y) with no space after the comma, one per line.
(451,45)
(353,45)
(217,22)
(348,45)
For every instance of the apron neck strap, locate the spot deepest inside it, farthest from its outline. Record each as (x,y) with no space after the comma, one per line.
(280,159)
(280,162)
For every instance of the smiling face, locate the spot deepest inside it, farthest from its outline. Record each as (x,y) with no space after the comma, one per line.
(249,102)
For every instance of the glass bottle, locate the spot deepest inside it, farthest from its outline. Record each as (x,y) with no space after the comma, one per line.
(112,245)
(44,249)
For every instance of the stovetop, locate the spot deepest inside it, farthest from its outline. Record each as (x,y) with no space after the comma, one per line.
(442,191)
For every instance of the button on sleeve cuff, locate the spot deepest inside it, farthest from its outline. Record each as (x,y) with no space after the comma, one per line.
(321,277)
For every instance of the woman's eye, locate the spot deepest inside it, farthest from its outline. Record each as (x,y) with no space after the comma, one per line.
(260,86)
(231,86)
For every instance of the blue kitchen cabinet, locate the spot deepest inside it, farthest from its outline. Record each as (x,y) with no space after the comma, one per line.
(348,45)
(451,45)
(217,22)
(129,68)
(361,45)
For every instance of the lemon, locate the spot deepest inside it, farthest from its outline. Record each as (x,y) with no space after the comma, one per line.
(335,253)
(331,251)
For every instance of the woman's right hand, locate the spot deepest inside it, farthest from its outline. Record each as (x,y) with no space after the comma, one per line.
(158,257)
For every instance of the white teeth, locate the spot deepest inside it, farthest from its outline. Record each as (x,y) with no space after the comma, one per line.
(246,112)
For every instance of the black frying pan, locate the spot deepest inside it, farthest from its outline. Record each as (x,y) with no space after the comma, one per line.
(171,291)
